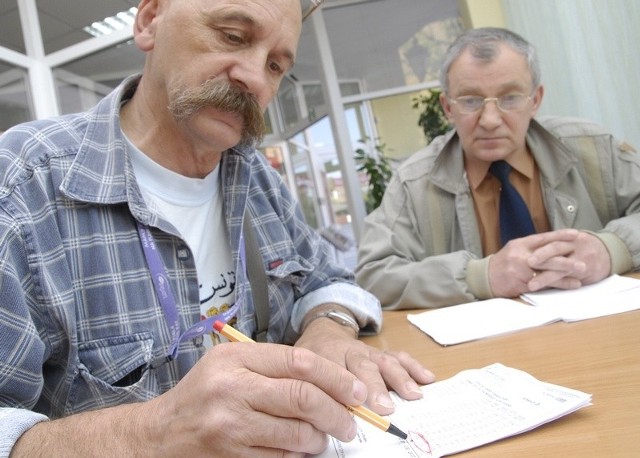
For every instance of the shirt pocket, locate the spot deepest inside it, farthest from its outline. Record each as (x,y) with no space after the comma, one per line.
(113,371)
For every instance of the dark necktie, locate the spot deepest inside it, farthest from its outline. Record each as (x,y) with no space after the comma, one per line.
(515,219)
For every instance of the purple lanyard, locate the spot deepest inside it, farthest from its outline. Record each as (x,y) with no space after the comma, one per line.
(167,300)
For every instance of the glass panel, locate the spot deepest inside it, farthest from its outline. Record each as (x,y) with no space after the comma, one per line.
(303,175)
(11,36)
(293,106)
(275,156)
(323,150)
(289,102)
(396,125)
(314,97)
(408,52)
(15,106)
(268,124)
(321,190)
(83,82)
(76,93)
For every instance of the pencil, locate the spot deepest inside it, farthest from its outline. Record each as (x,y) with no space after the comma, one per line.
(367,415)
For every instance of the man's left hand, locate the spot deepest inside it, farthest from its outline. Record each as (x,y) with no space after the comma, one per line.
(381,371)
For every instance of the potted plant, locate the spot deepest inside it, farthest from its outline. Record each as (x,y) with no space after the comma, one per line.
(377,166)
(432,118)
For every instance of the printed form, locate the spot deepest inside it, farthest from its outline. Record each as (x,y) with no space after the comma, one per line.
(475,407)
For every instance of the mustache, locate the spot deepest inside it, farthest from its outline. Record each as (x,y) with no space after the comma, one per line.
(224,96)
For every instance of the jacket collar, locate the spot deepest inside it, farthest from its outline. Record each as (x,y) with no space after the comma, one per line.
(553,158)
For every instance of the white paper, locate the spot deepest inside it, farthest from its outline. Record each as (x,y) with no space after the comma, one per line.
(473,408)
(612,295)
(476,320)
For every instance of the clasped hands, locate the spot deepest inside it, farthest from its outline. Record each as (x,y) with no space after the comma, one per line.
(563,259)
(262,400)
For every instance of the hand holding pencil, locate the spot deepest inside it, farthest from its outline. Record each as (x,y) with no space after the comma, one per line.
(362,412)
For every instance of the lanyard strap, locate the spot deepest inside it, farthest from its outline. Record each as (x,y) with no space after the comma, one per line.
(168,301)
(258,279)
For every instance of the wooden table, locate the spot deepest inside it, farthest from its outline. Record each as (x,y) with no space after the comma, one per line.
(599,356)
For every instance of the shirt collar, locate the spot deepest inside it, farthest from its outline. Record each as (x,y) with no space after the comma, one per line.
(521,161)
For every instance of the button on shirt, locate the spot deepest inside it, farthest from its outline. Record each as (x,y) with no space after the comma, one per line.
(485,189)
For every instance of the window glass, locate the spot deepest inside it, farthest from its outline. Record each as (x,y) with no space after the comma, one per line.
(15,106)
(383,45)
(289,102)
(83,82)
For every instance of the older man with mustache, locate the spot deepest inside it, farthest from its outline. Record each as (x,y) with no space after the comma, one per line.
(122,238)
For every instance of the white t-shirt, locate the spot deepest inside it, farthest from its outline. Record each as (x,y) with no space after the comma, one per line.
(194,207)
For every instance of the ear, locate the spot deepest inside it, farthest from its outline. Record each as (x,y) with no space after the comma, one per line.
(446,107)
(144,27)
(537,99)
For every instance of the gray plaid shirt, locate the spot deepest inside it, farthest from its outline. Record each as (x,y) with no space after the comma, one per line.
(79,317)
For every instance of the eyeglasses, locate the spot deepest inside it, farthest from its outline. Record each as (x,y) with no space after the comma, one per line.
(471,104)
(314,5)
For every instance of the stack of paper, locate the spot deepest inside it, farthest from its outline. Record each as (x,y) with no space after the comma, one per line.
(612,295)
(476,320)
(473,408)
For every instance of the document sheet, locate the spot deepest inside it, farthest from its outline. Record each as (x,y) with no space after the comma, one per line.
(476,320)
(614,294)
(473,408)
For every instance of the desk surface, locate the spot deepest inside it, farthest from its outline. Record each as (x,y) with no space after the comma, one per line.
(599,356)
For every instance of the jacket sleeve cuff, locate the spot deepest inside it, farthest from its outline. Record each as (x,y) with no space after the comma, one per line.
(13,423)
(621,261)
(477,278)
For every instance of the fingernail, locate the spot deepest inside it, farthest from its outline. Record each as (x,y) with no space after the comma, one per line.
(413,387)
(430,376)
(359,391)
(385,401)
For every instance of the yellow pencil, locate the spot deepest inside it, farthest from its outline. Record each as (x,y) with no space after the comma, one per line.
(367,415)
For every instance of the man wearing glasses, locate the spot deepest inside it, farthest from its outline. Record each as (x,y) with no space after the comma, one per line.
(118,225)
(503,204)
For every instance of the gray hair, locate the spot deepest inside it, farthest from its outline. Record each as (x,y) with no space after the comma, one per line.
(483,44)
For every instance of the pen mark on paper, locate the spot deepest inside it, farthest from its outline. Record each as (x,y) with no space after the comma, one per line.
(420,442)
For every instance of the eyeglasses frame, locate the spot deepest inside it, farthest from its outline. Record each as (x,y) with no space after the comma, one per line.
(490,99)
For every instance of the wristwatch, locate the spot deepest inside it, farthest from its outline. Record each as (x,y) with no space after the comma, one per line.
(341,318)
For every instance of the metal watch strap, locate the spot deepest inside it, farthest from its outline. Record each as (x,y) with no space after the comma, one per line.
(341,318)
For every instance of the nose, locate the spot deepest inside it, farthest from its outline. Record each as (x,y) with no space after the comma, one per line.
(250,73)
(490,114)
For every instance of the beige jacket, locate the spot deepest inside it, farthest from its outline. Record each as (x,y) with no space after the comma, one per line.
(421,248)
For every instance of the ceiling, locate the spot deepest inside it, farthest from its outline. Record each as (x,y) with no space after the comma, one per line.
(61,23)
(359,50)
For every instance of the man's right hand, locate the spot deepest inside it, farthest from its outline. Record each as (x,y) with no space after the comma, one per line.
(539,261)
(240,399)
